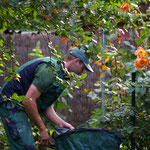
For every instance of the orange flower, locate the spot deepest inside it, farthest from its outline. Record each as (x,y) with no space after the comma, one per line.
(124,7)
(70,47)
(141,63)
(99,64)
(123,92)
(96,100)
(55,11)
(76,45)
(98,82)
(114,62)
(85,90)
(66,85)
(106,50)
(140,52)
(47,17)
(121,65)
(64,40)
(98,75)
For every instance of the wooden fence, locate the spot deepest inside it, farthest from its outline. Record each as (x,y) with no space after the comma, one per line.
(81,105)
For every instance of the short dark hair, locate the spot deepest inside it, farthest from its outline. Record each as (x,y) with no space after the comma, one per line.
(69,57)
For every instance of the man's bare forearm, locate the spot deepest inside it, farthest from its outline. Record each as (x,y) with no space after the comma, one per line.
(31,108)
(51,115)
(32,112)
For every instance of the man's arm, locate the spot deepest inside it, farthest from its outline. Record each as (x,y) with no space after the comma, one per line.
(31,109)
(51,115)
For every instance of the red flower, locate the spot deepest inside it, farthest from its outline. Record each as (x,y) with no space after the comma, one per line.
(120,36)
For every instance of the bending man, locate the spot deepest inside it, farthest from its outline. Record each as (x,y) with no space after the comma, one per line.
(38,83)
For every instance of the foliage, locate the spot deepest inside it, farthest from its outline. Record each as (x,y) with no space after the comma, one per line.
(3,139)
(117,65)
(81,23)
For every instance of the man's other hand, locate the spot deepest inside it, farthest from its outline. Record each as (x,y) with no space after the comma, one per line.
(45,140)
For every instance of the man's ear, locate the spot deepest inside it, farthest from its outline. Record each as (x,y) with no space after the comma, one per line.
(77,59)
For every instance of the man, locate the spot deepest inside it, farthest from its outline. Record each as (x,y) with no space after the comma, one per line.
(39,84)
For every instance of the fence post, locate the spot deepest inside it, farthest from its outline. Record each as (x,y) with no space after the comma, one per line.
(133,108)
(103,79)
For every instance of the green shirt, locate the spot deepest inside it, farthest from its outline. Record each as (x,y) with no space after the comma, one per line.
(46,83)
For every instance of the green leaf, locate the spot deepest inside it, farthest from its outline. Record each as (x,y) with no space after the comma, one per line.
(83,76)
(131,89)
(1,71)
(147,100)
(64,100)
(132,35)
(60,105)
(14,96)
(103,118)
(117,114)
(7,79)
(94,6)
(142,91)
(130,130)
(22,98)
(148,73)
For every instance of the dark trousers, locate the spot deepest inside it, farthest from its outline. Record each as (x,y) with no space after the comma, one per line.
(17,127)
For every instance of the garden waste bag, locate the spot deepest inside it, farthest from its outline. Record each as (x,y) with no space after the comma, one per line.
(86,139)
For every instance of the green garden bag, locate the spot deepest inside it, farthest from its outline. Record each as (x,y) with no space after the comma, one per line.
(86,139)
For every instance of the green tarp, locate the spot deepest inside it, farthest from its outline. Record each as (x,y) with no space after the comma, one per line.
(86,139)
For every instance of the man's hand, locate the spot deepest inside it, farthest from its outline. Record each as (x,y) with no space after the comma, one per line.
(45,139)
(67,125)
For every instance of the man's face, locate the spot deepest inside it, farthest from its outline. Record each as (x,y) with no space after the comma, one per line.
(77,67)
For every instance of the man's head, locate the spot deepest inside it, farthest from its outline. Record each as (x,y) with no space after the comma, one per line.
(77,61)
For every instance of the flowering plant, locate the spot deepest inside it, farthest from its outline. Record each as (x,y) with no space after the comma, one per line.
(127,53)
(141,62)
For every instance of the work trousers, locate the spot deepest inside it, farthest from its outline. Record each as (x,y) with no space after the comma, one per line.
(17,126)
